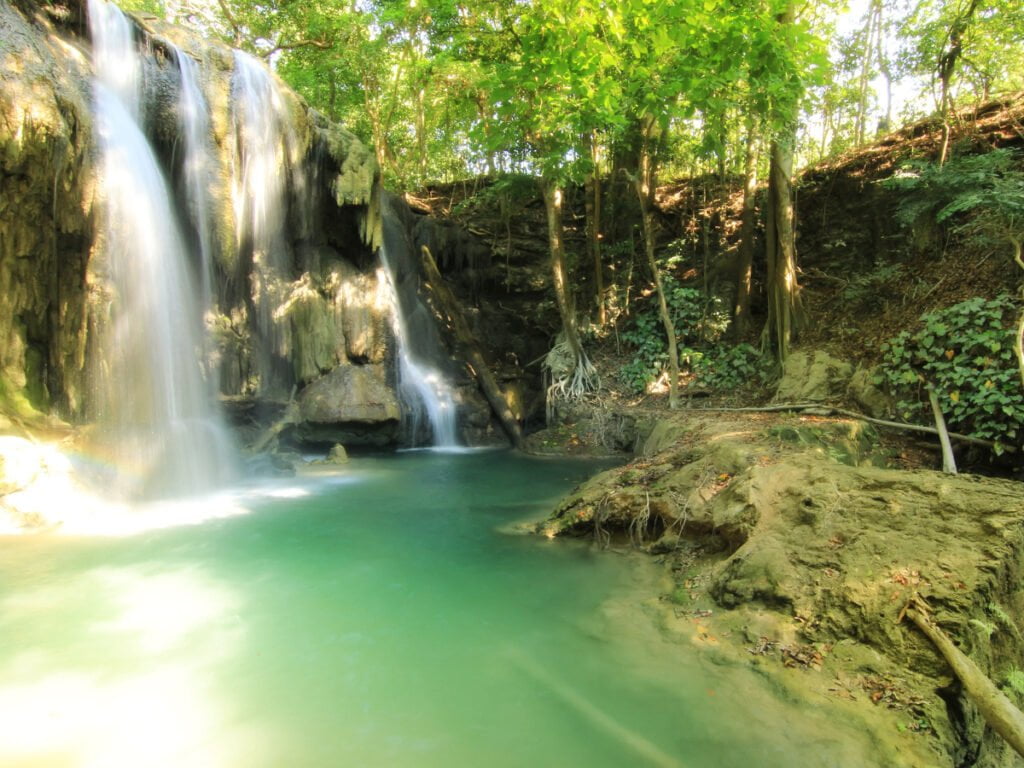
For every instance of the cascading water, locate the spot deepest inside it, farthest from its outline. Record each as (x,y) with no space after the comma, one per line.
(155,407)
(264,138)
(194,118)
(424,390)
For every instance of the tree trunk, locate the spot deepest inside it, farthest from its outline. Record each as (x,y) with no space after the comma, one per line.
(999,712)
(744,284)
(592,202)
(1017,242)
(449,305)
(421,130)
(948,462)
(785,313)
(864,80)
(580,376)
(646,180)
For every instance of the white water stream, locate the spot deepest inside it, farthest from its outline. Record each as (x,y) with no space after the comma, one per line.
(423,390)
(164,434)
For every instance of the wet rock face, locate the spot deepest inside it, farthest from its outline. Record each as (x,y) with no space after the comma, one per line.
(328,311)
(46,187)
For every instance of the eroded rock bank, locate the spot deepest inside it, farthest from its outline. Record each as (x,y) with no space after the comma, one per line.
(794,546)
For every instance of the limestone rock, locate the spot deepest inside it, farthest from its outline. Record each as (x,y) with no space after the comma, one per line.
(353,404)
(337,455)
(867,395)
(815,377)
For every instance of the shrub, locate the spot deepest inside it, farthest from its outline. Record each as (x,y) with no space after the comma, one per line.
(966,353)
(731,367)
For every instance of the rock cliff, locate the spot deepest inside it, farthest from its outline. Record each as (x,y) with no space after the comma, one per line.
(300,308)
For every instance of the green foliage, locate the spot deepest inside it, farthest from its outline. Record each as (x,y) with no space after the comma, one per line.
(965,352)
(732,367)
(1003,618)
(869,289)
(510,189)
(646,335)
(720,367)
(981,196)
(983,627)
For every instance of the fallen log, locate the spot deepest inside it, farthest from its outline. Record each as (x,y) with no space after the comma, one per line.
(449,305)
(999,712)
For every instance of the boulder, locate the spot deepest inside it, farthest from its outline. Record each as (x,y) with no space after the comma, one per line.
(814,376)
(868,396)
(353,405)
(337,455)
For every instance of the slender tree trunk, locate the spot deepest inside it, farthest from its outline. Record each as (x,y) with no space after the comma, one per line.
(592,204)
(744,283)
(421,130)
(865,77)
(946,70)
(482,111)
(883,63)
(452,310)
(646,181)
(581,377)
(1017,243)
(785,313)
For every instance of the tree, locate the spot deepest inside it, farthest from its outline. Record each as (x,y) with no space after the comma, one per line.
(789,58)
(552,86)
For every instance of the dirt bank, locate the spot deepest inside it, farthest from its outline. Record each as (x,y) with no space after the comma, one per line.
(793,545)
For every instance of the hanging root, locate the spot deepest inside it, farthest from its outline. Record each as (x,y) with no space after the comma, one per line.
(638,525)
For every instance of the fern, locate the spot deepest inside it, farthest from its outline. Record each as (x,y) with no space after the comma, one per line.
(1013,681)
(983,627)
(1003,618)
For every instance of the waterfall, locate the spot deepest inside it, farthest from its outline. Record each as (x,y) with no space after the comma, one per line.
(194,118)
(155,407)
(264,140)
(422,388)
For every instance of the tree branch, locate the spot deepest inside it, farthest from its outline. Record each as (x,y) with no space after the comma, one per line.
(321,44)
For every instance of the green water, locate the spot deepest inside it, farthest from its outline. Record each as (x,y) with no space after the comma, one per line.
(375,618)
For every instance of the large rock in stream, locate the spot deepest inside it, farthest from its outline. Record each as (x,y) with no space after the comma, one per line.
(352,405)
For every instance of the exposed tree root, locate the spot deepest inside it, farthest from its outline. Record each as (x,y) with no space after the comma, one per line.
(572,375)
(948,462)
(821,409)
(290,416)
(998,711)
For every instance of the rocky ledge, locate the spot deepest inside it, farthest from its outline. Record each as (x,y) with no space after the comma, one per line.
(793,546)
